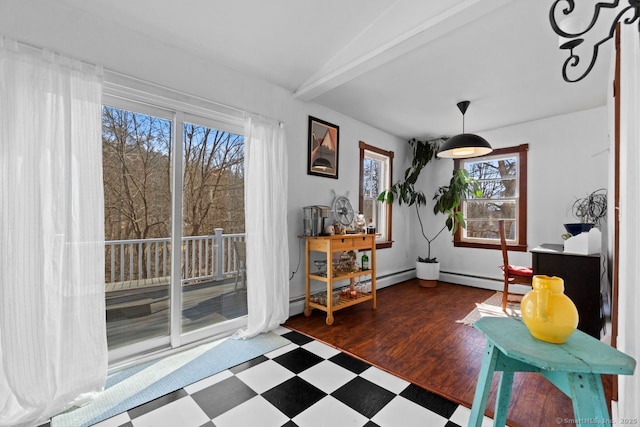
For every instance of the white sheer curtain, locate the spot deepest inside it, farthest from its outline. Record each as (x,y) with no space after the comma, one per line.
(265,166)
(629,295)
(53,350)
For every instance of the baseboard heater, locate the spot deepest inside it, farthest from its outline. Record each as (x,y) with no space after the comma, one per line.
(473,276)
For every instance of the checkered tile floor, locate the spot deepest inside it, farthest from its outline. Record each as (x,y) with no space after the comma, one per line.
(306,383)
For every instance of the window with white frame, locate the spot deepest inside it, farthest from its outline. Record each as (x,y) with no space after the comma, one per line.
(375,176)
(173,171)
(502,177)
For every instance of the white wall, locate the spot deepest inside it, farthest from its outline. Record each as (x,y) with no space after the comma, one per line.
(568,158)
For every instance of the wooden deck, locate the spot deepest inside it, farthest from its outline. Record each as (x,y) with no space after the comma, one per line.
(127,285)
(139,310)
(413,334)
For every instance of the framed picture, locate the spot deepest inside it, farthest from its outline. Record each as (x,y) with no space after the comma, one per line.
(323,148)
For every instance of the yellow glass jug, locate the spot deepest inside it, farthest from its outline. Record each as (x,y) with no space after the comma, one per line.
(547,312)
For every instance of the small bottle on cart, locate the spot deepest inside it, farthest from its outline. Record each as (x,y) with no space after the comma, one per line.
(365,261)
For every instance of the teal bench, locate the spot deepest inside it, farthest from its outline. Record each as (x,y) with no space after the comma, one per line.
(574,367)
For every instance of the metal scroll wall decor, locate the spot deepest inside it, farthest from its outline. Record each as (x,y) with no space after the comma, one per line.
(576,39)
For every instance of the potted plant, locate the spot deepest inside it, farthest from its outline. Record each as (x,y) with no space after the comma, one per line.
(447,201)
(589,210)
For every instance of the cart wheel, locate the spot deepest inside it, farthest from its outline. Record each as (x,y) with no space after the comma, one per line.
(330,320)
(307,312)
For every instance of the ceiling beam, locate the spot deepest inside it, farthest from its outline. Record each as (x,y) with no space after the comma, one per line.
(358,57)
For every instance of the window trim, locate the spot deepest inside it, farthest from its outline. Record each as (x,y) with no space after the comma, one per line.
(364,146)
(521,150)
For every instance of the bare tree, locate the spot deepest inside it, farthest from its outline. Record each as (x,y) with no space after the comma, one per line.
(136,160)
(213,193)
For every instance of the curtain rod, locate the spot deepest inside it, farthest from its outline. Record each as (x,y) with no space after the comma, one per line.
(108,71)
(168,89)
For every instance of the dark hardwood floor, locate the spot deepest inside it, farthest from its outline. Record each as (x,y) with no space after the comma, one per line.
(413,334)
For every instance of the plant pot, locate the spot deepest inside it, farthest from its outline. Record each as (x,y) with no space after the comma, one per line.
(428,274)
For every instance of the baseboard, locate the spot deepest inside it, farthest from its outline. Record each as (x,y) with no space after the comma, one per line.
(296,305)
(495,284)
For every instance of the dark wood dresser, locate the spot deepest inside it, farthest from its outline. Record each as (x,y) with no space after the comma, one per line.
(581,275)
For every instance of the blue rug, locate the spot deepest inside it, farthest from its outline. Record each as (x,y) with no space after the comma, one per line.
(142,383)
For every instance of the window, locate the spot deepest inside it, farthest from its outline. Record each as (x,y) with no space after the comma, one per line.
(375,176)
(173,179)
(502,176)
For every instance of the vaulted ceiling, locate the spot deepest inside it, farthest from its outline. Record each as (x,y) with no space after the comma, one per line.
(400,66)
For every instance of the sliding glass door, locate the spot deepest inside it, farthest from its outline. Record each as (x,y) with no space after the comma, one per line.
(137,150)
(173,227)
(214,286)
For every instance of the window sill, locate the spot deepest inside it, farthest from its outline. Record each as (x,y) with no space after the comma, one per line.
(383,245)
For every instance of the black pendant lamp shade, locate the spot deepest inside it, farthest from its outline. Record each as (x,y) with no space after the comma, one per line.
(464,145)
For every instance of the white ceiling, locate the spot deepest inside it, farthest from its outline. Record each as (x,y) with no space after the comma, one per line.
(400,66)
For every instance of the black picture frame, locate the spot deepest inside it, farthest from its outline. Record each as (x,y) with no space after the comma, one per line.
(323,148)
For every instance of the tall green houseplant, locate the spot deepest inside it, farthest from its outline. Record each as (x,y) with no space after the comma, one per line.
(447,198)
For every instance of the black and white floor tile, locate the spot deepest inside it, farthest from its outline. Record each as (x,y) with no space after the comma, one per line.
(306,383)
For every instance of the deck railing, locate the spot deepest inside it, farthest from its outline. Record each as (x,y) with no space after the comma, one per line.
(204,258)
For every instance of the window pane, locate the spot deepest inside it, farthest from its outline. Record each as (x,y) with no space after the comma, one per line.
(213,195)
(498,178)
(136,153)
(371,211)
(482,217)
(375,174)
(498,189)
(372,176)
(483,209)
(214,282)
(493,169)
(482,229)
(488,229)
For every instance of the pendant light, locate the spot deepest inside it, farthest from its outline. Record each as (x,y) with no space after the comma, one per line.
(464,145)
